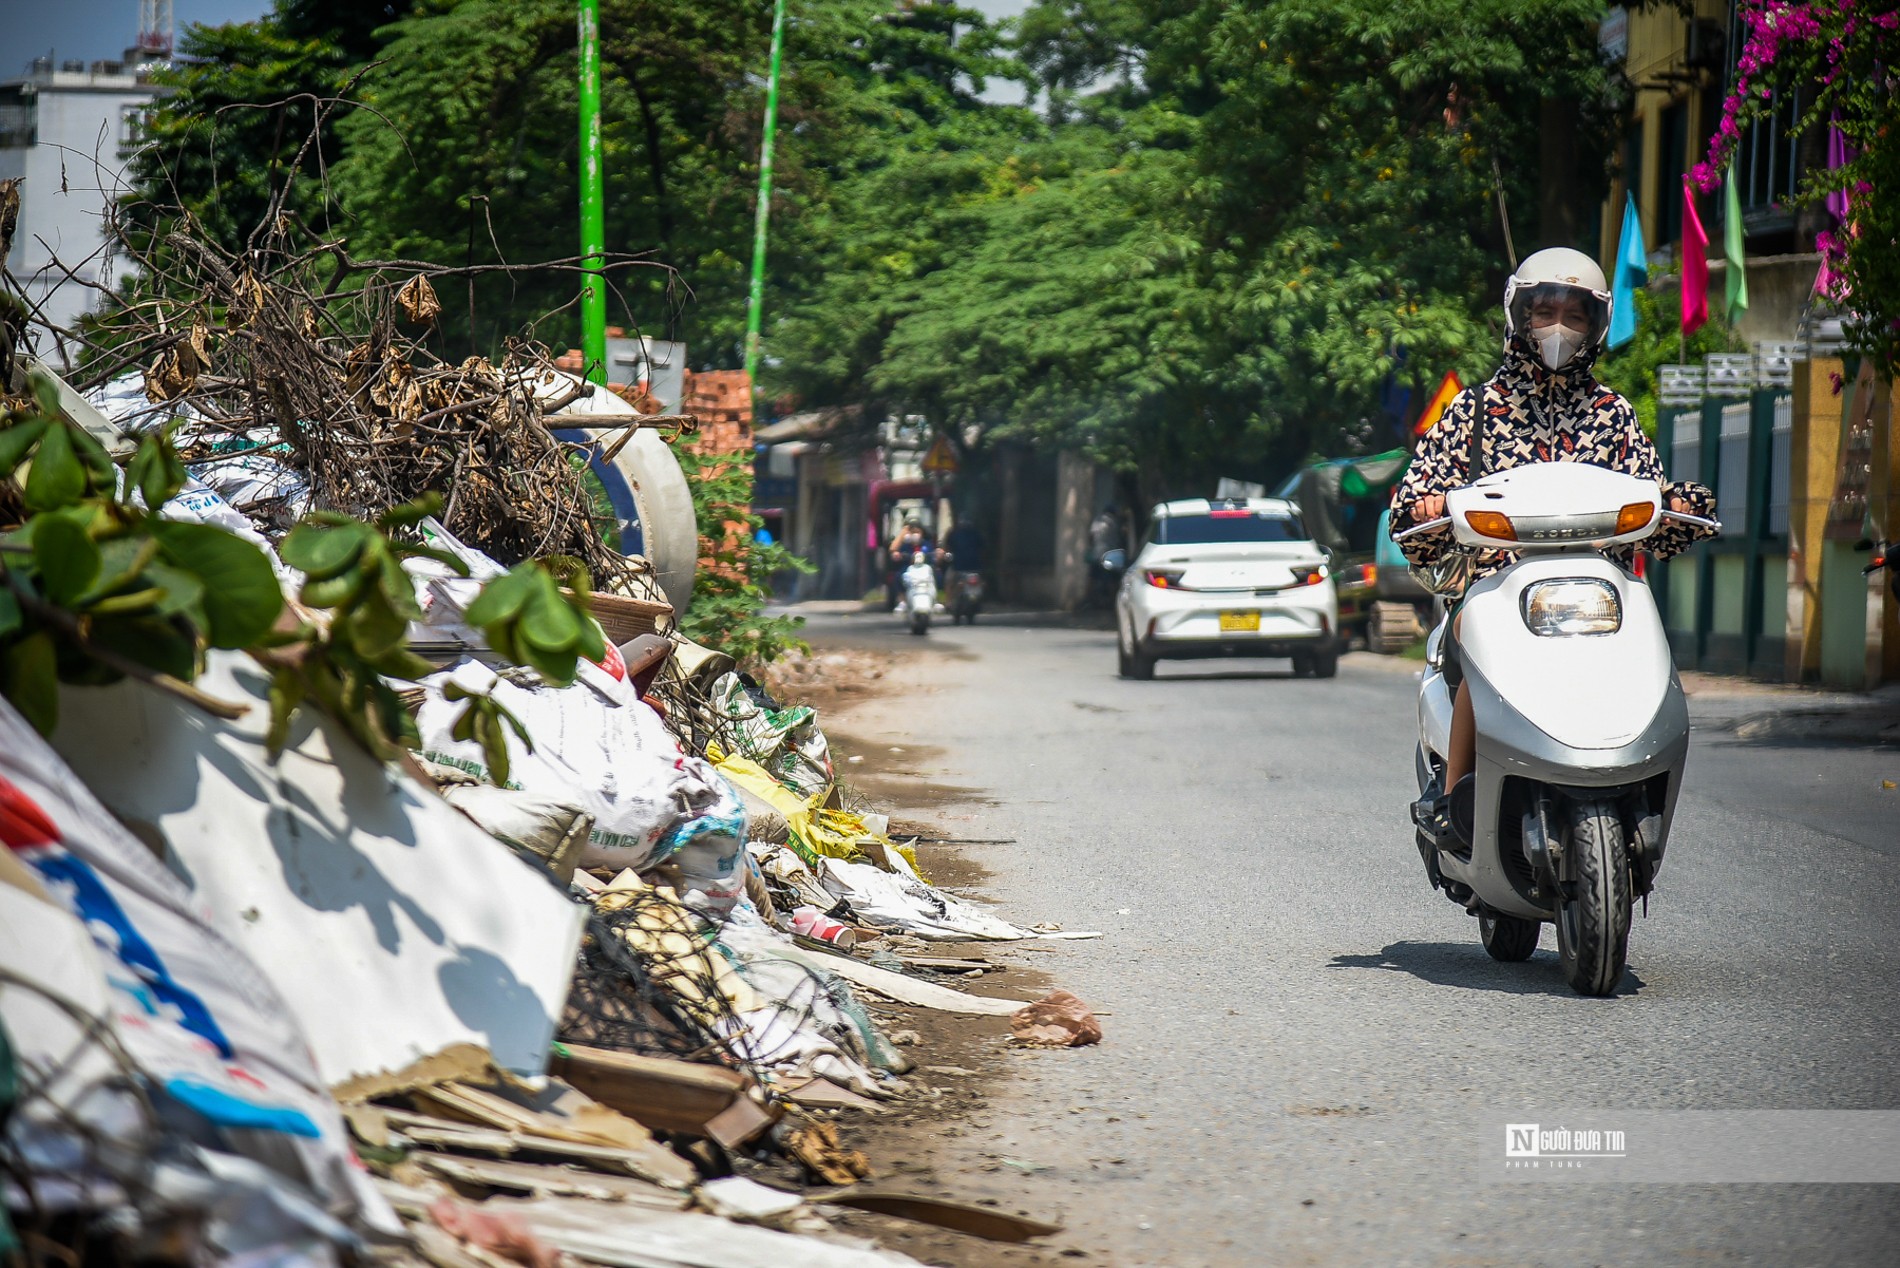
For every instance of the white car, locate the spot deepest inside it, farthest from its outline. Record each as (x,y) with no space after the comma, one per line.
(1229,577)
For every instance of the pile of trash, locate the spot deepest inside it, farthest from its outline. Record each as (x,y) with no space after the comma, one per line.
(317,1006)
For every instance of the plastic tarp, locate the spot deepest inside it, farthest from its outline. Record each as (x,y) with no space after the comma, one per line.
(136,953)
(600,747)
(1332,497)
(391,926)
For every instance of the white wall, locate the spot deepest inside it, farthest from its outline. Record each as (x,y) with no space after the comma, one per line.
(70,177)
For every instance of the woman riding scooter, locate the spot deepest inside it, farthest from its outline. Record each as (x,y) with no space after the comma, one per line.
(1543,405)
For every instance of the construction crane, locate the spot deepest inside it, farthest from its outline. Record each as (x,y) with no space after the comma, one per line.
(156,28)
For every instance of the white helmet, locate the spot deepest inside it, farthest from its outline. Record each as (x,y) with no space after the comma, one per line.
(1552,272)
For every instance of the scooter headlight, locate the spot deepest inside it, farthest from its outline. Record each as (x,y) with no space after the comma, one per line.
(1580,605)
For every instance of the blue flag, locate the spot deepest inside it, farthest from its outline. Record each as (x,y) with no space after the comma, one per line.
(1632,270)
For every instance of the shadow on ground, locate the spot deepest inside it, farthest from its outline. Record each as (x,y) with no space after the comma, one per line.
(1468,966)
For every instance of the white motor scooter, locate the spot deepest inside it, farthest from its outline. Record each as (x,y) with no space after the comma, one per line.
(1582,729)
(920,592)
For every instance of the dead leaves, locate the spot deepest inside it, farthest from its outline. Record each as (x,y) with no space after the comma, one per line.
(177,368)
(418,301)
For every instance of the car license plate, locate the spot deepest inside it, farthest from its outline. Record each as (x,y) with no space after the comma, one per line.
(1240,622)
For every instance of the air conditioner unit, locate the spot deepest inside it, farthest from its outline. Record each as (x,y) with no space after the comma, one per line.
(1679,385)
(1774,363)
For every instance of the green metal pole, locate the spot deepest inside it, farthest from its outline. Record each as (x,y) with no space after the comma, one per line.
(593,200)
(756,308)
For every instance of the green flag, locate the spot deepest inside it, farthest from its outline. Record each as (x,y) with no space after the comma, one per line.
(1732,248)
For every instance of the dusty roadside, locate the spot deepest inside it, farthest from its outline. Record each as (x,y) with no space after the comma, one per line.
(941,1141)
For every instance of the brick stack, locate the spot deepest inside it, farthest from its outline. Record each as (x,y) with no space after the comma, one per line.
(722,401)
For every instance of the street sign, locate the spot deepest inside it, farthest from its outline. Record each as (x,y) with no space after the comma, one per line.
(941,460)
(1448,389)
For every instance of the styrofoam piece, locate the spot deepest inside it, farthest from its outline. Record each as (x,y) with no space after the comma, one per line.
(391,925)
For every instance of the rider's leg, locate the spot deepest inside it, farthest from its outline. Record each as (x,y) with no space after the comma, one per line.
(1464,728)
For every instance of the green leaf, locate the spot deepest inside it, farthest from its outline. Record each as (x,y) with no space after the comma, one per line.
(410,514)
(29,678)
(402,663)
(399,588)
(241,596)
(68,559)
(102,474)
(16,440)
(593,644)
(550,625)
(450,561)
(184,593)
(57,477)
(156,471)
(11,618)
(121,560)
(374,627)
(333,592)
(503,597)
(323,552)
(152,641)
(286,694)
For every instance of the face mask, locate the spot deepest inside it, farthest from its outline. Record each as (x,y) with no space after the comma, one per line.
(1556,344)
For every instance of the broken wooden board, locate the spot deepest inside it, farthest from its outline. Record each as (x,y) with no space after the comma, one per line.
(673,1096)
(905,990)
(961,1217)
(569,1125)
(946,964)
(821,1093)
(530,1180)
(634,1237)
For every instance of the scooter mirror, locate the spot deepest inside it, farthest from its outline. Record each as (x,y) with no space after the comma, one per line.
(1115,560)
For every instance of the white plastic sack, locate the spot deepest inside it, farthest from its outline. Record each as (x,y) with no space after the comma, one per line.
(906,900)
(391,925)
(599,746)
(204,1023)
(786,742)
(443,596)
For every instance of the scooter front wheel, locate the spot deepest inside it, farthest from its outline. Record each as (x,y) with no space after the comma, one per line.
(1508,938)
(1593,909)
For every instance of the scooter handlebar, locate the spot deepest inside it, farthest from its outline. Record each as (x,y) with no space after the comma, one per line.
(1683,517)
(1418,530)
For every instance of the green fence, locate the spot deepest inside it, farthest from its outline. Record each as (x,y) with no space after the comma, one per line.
(1724,603)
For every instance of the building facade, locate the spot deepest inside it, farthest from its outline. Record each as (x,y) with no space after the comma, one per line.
(65,131)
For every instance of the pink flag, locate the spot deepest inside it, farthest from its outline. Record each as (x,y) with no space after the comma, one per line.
(1695,264)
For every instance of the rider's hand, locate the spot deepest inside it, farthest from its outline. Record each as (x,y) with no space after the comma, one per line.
(1680,506)
(1427,508)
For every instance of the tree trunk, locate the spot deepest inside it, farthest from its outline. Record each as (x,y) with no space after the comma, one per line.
(1557,211)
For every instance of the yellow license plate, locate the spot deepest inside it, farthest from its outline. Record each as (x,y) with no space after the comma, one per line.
(1240,622)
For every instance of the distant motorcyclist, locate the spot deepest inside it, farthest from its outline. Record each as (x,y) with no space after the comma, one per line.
(1542,405)
(912,539)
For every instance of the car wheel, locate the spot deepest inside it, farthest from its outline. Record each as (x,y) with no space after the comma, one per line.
(1302,665)
(1325,664)
(1132,664)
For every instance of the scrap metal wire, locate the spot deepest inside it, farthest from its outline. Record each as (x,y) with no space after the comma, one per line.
(617,1000)
(631,1000)
(123,1164)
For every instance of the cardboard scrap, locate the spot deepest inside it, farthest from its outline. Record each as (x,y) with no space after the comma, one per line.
(674,1096)
(979,1221)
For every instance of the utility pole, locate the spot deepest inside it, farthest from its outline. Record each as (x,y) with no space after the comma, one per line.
(756,308)
(593,201)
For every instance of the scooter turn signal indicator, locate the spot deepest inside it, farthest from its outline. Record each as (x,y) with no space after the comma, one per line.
(1491,524)
(1634,516)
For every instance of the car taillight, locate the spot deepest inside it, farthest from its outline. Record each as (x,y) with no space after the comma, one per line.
(1309,576)
(1165,578)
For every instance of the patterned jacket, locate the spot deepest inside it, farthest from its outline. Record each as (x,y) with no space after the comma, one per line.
(1533,415)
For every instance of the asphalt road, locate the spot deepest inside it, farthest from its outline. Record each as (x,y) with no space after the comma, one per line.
(1309,1050)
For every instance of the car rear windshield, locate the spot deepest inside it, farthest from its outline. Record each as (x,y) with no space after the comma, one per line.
(1228,526)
